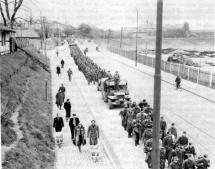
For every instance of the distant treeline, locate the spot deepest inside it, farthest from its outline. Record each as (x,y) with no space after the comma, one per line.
(92,32)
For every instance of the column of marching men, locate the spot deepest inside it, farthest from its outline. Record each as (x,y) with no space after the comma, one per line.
(78,133)
(176,149)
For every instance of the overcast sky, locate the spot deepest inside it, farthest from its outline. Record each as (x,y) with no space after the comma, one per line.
(115,14)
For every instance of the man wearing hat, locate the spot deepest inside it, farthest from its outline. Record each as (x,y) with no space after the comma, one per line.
(73,122)
(67,107)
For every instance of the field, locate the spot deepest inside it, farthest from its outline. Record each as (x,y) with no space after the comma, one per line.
(22,86)
(179,45)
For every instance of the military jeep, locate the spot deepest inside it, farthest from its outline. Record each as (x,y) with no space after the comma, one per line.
(115,96)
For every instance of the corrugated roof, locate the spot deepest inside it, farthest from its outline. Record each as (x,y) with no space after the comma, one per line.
(6,29)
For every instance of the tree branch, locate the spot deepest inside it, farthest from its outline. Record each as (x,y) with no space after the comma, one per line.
(2,14)
(7,9)
(17,6)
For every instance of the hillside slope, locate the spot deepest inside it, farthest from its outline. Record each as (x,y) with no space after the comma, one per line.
(23,86)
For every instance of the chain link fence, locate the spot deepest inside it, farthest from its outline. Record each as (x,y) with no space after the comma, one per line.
(189,73)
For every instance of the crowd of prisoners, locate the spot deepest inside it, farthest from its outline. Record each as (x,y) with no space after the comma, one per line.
(176,149)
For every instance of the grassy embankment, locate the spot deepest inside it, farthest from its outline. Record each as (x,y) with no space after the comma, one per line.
(36,148)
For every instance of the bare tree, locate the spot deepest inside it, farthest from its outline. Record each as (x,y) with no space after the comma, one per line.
(9,10)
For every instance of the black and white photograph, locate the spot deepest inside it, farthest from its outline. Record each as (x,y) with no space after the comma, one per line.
(114,84)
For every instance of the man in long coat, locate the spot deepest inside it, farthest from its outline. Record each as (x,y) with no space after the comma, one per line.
(73,122)
(93,133)
(58,70)
(62,63)
(69,72)
(62,88)
(58,123)
(67,107)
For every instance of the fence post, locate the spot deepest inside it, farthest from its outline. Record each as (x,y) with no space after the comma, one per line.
(164,66)
(170,66)
(188,72)
(211,80)
(179,65)
(198,77)
(152,61)
(142,58)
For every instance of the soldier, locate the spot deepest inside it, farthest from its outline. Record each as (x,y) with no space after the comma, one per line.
(123,115)
(203,162)
(173,130)
(116,80)
(133,105)
(183,140)
(136,133)
(147,150)
(190,149)
(163,126)
(175,164)
(189,163)
(147,134)
(109,75)
(162,157)
(135,110)
(168,144)
(176,153)
(178,82)
(148,122)
(129,123)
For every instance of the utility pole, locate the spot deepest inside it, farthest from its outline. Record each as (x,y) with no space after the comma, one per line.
(44,36)
(136,40)
(157,89)
(58,34)
(41,24)
(121,37)
(108,38)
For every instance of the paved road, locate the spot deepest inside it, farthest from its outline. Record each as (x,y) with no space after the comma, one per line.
(190,113)
(68,156)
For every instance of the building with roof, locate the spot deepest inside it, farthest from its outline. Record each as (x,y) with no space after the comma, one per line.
(6,40)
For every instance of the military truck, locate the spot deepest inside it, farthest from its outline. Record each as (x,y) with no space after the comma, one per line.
(114,97)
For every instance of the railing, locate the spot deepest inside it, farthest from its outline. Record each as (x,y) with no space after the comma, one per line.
(186,72)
